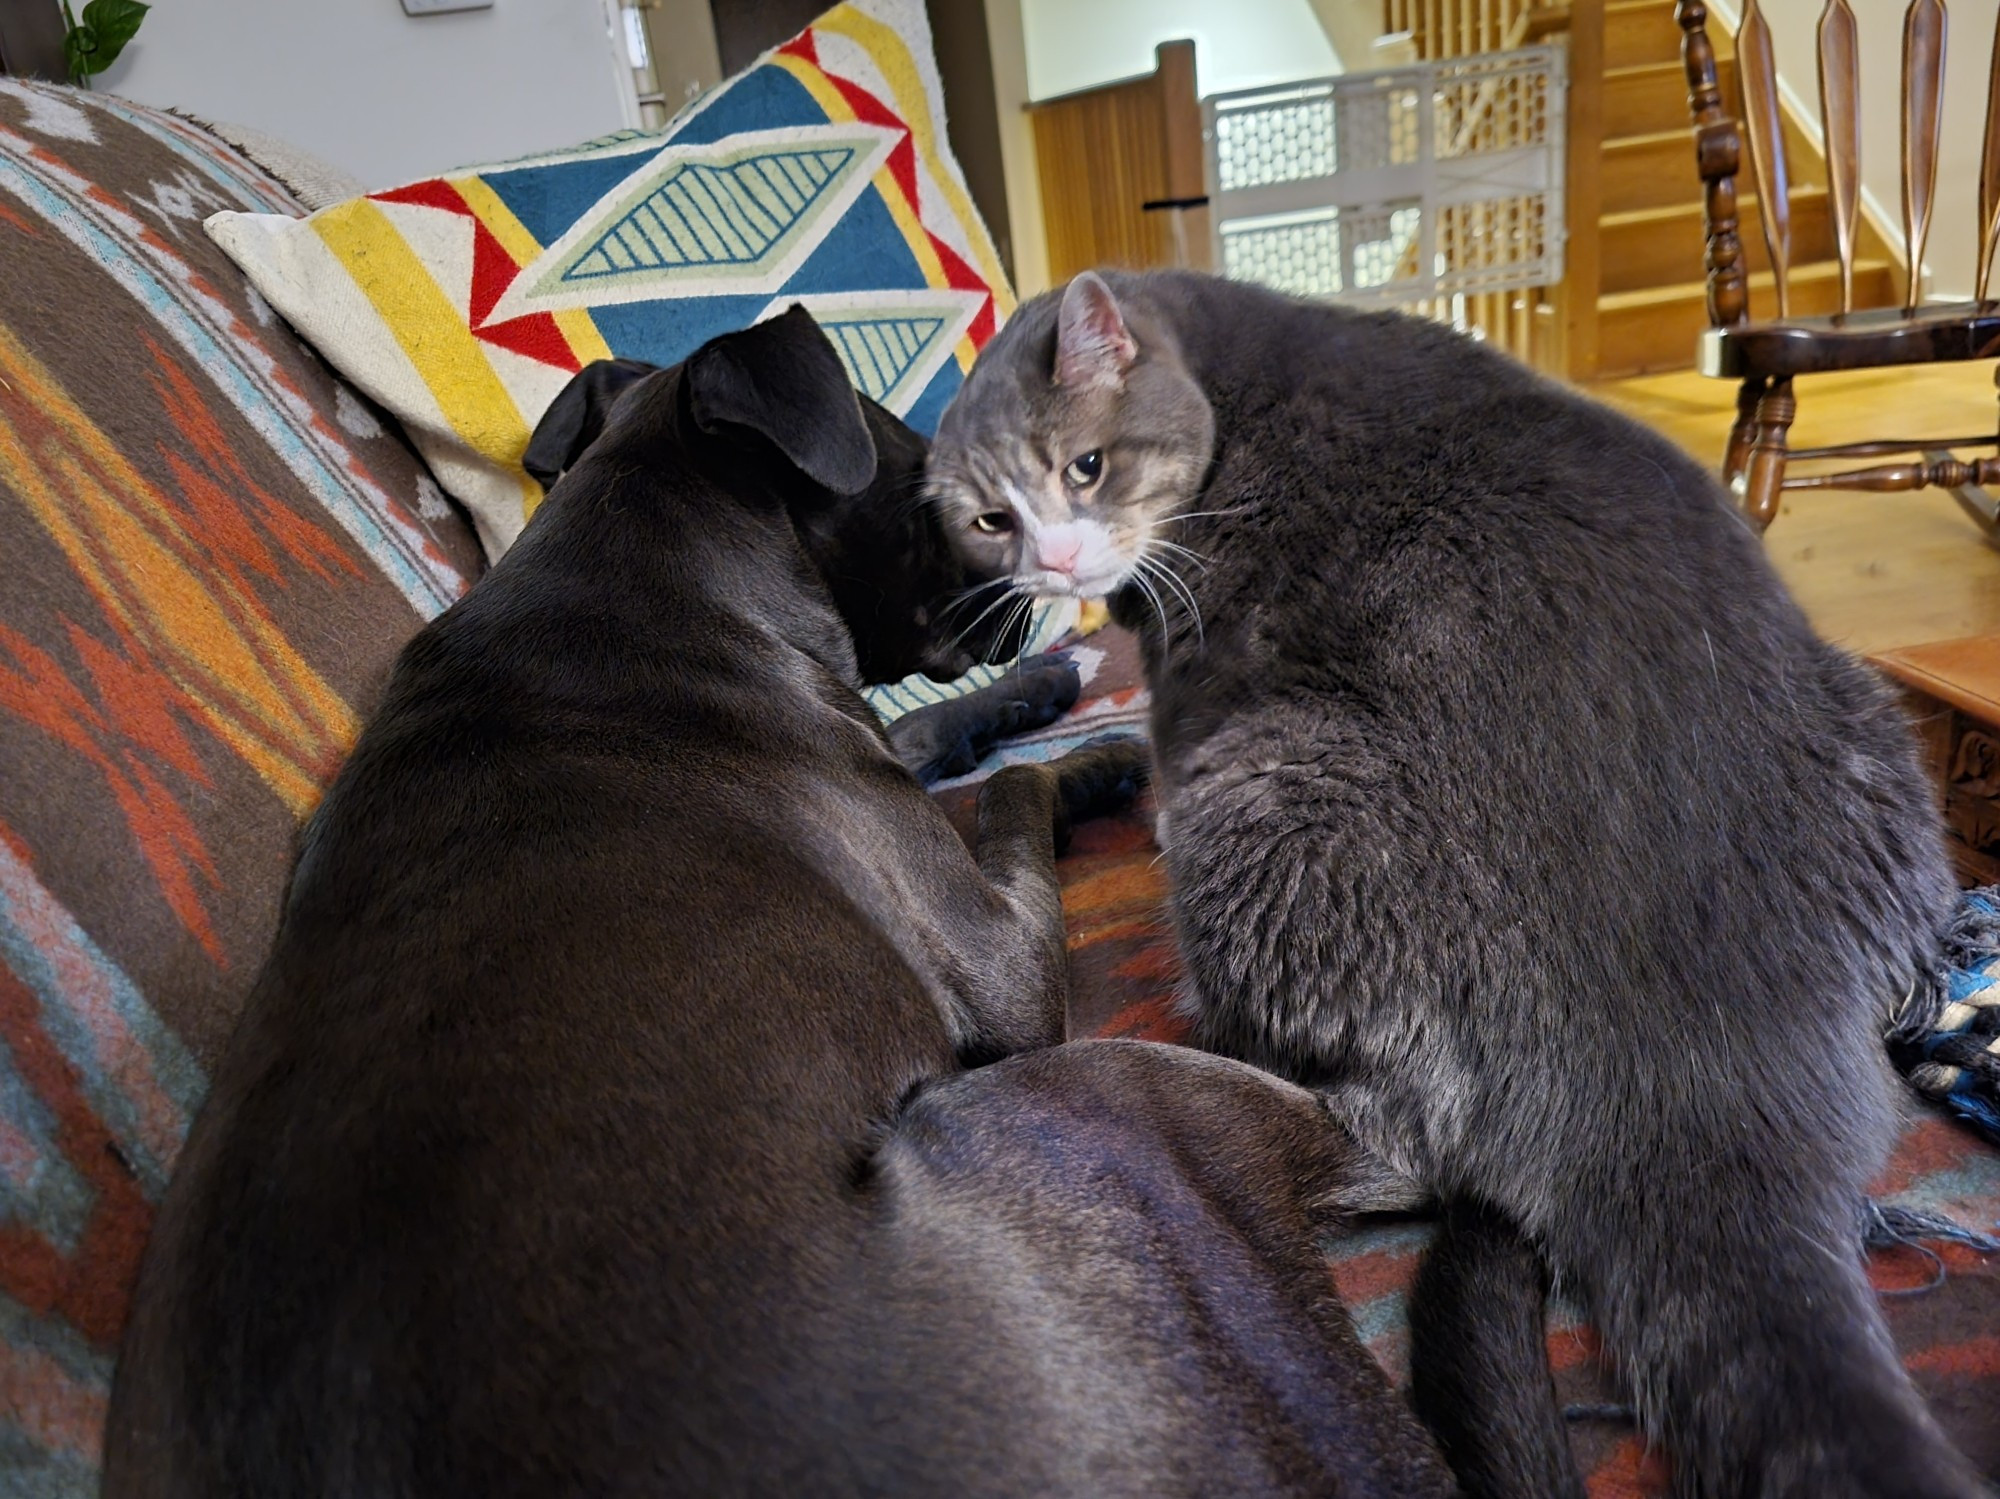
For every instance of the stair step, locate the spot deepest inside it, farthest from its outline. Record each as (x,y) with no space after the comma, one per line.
(1653,247)
(1657,329)
(1640,31)
(1652,97)
(1649,171)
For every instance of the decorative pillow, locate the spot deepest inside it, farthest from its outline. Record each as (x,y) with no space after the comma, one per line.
(821,175)
(210,552)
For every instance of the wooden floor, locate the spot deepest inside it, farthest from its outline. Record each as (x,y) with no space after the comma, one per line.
(1877,572)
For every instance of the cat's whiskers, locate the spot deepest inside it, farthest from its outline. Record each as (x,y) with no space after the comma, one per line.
(1201,514)
(1151,567)
(965,596)
(1010,596)
(1181,586)
(1138,577)
(1173,580)
(1188,552)
(1023,614)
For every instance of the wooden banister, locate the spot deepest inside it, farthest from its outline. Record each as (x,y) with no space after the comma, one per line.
(1458,28)
(1840,120)
(1555,327)
(1542,23)
(1480,113)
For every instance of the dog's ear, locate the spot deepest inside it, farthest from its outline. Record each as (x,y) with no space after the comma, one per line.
(782,379)
(576,417)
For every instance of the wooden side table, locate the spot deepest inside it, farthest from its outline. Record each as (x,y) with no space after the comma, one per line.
(1952,688)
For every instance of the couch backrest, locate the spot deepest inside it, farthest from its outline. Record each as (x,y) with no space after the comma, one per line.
(210,552)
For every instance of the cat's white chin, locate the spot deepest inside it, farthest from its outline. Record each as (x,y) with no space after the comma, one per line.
(1049,585)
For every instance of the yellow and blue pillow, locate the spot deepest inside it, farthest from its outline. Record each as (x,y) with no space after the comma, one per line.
(822,175)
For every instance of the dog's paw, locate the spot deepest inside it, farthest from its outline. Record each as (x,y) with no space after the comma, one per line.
(1034,695)
(1103,775)
(960,757)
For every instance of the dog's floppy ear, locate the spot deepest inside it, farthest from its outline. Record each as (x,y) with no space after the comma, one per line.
(577,416)
(782,379)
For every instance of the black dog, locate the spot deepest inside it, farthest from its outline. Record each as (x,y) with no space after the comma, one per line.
(600,1123)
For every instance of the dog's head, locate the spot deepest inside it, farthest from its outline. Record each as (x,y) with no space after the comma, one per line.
(770,411)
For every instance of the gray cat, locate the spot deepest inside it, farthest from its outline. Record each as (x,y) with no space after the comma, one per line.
(1508,799)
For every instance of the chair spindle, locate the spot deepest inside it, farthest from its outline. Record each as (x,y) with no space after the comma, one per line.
(1840,117)
(1718,152)
(1989,173)
(1765,121)
(1923,123)
(1766,356)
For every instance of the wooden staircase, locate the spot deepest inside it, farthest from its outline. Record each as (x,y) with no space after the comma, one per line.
(1651,302)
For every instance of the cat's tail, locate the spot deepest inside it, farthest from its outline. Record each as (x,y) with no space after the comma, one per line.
(1758,1356)
(1761,1365)
(1479,1372)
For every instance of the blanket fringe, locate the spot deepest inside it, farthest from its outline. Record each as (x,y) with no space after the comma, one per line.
(1945,1037)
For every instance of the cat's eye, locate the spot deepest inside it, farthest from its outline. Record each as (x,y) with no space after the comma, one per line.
(1081,473)
(993,522)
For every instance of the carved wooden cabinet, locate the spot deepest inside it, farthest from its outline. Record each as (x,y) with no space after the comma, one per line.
(1959,724)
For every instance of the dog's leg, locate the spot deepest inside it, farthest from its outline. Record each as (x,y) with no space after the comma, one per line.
(1015,989)
(1017,999)
(951,738)
(1043,1179)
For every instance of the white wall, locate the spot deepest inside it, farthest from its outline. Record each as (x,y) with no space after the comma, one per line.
(389,97)
(1952,252)
(1077,44)
(685,61)
(1006,40)
(1351,26)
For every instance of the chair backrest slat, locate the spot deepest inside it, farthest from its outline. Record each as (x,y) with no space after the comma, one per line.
(1989,173)
(1765,124)
(1840,118)
(1923,123)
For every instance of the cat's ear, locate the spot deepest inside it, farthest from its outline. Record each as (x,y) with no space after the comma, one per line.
(1093,345)
(783,380)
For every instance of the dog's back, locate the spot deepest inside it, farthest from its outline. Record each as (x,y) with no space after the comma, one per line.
(499,1072)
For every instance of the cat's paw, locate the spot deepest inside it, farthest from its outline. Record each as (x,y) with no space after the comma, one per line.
(1103,775)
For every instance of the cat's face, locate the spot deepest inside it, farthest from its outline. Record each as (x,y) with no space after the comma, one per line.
(1076,439)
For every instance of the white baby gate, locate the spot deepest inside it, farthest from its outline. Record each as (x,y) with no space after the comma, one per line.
(1428,182)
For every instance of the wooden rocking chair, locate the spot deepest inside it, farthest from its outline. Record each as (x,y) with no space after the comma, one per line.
(1766,356)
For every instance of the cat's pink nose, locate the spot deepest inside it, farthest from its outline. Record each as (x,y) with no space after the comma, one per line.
(1058,553)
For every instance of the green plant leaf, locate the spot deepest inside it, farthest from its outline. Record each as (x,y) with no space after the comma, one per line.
(106,26)
(79,52)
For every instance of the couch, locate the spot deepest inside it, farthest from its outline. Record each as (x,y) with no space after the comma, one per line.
(211,548)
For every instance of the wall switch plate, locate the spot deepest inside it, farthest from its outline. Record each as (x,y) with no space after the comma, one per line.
(439,7)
